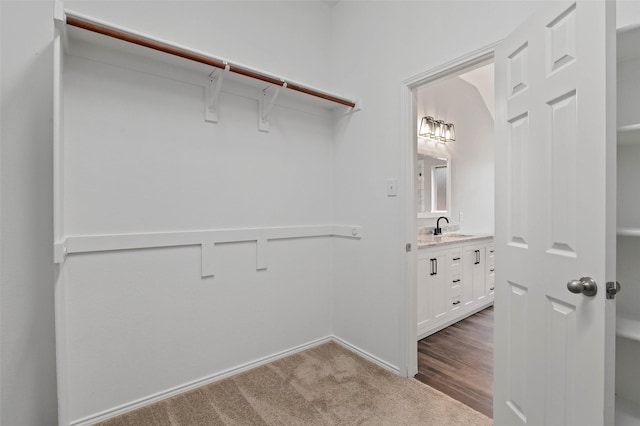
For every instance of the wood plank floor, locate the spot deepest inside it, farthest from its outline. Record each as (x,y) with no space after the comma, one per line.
(458,361)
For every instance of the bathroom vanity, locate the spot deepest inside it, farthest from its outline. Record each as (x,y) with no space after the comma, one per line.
(456,276)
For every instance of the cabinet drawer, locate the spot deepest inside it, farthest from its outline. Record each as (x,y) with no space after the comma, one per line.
(455,258)
(491,277)
(491,253)
(456,301)
(491,272)
(456,277)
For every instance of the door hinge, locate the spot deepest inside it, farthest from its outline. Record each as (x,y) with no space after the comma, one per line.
(408,247)
(613,288)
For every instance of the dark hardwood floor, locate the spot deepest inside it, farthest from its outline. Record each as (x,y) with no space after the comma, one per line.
(458,361)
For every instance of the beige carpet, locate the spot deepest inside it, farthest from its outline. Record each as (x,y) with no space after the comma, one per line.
(325,385)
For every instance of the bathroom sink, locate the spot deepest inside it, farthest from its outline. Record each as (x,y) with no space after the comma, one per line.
(457,235)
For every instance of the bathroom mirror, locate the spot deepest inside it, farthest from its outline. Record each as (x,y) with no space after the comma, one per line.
(433,185)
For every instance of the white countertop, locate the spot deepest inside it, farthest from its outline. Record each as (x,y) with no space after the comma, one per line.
(431,241)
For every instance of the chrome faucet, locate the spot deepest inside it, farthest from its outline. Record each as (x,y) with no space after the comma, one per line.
(438,230)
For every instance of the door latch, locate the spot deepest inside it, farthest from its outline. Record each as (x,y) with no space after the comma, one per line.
(613,288)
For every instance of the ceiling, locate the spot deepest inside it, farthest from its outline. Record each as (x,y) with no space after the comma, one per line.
(482,79)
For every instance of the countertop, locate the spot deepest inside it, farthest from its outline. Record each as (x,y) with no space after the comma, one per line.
(431,241)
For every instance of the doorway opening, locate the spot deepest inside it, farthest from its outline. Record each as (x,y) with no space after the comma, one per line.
(460,93)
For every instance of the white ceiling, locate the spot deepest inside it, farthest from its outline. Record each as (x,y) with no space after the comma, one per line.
(482,79)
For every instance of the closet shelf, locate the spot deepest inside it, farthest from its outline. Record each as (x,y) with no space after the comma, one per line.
(628,328)
(627,412)
(66,19)
(629,232)
(629,134)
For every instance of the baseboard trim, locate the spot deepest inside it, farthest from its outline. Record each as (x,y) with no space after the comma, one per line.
(451,321)
(142,402)
(390,367)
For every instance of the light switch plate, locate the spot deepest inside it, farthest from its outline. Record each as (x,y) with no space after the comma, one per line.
(392,187)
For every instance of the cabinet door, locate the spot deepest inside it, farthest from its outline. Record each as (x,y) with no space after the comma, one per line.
(479,275)
(474,274)
(424,293)
(438,285)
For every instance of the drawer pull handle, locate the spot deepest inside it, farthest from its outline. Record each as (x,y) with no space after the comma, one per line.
(492,270)
(457,302)
(456,258)
(456,281)
(492,251)
(492,288)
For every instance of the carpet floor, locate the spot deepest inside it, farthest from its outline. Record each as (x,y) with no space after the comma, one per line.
(324,385)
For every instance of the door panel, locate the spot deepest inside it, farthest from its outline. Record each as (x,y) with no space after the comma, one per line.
(555,219)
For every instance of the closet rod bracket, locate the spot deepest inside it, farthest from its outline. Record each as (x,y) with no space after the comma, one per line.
(265,108)
(213,93)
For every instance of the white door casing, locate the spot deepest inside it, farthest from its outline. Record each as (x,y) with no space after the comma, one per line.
(555,217)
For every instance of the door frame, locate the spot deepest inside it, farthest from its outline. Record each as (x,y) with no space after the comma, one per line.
(409,125)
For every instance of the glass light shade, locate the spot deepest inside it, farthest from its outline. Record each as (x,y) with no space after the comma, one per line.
(450,132)
(439,130)
(426,127)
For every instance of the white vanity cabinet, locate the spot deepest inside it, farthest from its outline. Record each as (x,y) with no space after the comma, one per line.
(475,272)
(454,281)
(479,271)
(628,244)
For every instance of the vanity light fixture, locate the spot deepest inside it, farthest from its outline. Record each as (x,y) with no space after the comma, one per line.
(437,130)
(427,127)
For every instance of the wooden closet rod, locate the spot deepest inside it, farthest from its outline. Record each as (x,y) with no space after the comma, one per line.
(183,53)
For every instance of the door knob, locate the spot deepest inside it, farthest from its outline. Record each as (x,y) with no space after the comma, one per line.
(585,285)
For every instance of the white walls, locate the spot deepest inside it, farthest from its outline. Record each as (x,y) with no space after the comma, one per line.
(139,157)
(472,154)
(360,49)
(27,368)
(376,46)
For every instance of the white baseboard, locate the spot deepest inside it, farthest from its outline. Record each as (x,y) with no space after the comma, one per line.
(366,355)
(450,321)
(133,405)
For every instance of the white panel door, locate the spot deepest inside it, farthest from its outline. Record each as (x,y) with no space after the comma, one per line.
(555,217)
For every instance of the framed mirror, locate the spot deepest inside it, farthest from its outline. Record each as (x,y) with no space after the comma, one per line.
(433,184)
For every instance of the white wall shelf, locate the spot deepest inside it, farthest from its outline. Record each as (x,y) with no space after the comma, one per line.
(629,232)
(627,412)
(207,239)
(628,328)
(629,134)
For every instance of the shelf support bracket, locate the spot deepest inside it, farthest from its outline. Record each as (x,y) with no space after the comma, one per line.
(213,93)
(265,109)
(59,252)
